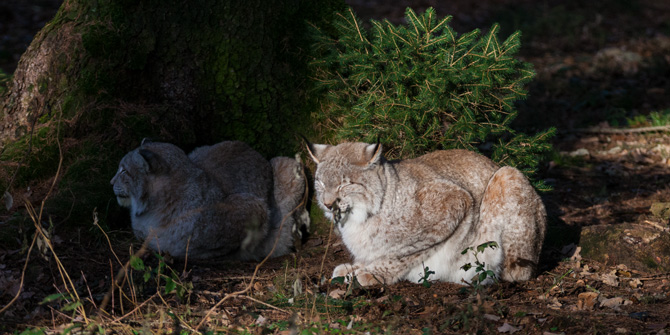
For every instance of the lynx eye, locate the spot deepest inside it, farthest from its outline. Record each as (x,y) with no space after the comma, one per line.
(343,185)
(122,171)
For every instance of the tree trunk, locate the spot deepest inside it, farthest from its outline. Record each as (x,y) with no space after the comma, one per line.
(102,75)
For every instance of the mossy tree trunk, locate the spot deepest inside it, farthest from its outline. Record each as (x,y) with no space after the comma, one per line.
(104,74)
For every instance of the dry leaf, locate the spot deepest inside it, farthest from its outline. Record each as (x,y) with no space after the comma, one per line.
(610,279)
(507,328)
(554,304)
(635,283)
(9,201)
(615,302)
(337,293)
(587,300)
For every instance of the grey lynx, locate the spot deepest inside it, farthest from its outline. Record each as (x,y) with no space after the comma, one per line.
(397,217)
(221,201)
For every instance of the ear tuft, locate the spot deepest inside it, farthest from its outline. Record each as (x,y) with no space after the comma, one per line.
(373,153)
(315,150)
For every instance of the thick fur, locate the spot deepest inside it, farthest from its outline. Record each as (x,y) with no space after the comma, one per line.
(398,217)
(218,202)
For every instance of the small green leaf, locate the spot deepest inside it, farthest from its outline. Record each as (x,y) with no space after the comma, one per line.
(170,285)
(136,263)
(337,280)
(54,297)
(71,306)
(147,276)
(466,266)
(482,276)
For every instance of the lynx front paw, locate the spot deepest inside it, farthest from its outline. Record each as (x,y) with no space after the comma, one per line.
(349,271)
(367,279)
(344,270)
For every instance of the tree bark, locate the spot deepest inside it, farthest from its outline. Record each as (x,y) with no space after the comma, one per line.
(109,73)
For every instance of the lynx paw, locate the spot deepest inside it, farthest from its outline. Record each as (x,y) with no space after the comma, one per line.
(366,279)
(344,270)
(348,271)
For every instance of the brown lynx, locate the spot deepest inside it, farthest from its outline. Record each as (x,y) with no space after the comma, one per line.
(398,217)
(220,201)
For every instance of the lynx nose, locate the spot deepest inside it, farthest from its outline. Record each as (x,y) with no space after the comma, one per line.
(331,204)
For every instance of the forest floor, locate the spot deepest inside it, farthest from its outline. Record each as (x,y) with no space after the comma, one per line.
(603,74)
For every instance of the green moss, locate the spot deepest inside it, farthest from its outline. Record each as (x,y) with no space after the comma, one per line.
(40,163)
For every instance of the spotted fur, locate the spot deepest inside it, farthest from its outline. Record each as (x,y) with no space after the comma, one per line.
(398,217)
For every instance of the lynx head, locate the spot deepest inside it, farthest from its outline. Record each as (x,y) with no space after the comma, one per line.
(140,172)
(348,181)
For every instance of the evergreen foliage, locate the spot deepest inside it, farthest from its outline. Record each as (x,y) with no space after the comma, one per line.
(420,87)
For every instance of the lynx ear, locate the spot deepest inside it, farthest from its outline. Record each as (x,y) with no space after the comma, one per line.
(373,153)
(155,164)
(315,150)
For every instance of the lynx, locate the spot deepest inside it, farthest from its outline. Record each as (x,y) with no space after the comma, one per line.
(220,201)
(398,217)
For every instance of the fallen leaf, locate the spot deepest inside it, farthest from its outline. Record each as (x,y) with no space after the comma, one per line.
(297,287)
(615,302)
(337,293)
(554,304)
(491,317)
(657,326)
(635,283)
(587,300)
(9,201)
(610,279)
(507,328)
(411,301)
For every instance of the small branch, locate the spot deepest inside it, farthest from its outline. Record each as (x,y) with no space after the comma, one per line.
(135,309)
(263,303)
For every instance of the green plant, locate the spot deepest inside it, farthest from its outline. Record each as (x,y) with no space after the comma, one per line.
(32,331)
(424,278)
(480,267)
(654,119)
(163,275)
(421,87)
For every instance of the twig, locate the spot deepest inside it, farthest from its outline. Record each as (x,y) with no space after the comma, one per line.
(653,277)
(120,276)
(134,309)
(263,303)
(177,316)
(109,242)
(88,289)
(253,277)
(323,261)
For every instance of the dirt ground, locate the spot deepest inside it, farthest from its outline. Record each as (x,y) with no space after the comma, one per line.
(606,263)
